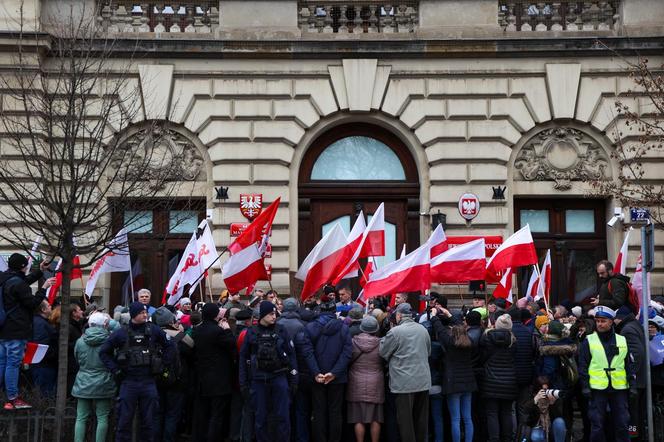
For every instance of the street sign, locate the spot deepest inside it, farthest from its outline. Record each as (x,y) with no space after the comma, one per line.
(639,215)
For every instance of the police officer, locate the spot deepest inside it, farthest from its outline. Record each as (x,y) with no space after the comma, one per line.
(268,373)
(606,371)
(136,354)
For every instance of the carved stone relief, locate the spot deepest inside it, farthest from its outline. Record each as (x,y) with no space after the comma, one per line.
(561,155)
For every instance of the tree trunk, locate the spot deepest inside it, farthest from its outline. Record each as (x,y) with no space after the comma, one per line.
(63,342)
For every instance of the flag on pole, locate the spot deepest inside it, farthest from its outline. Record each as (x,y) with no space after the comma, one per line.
(373,243)
(137,274)
(355,240)
(533,283)
(637,279)
(403,251)
(324,262)
(504,287)
(52,291)
(115,258)
(207,251)
(460,264)
(544,286)
(258,227)
(34,353)
(33,252)
(243,269)
(621,260)
(518,250)
(187,271)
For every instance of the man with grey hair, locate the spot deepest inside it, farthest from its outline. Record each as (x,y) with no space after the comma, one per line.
(144,297)
(406,348)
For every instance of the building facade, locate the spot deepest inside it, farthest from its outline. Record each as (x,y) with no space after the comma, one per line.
(337,106)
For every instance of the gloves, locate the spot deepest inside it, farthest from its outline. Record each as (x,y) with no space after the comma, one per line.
(586,393)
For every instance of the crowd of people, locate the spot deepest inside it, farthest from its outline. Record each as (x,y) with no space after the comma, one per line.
(328,369)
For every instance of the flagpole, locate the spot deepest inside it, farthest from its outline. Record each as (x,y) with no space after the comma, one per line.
(209,286)
(210,266)
(131,281)
(546,302)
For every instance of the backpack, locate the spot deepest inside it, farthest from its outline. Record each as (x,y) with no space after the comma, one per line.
(268,358)
(633,301)
(4,314)
(569,370)
(173,374)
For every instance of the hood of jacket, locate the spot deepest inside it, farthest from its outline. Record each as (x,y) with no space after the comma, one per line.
(366,342)
(95,336)
(290,315)
(500,338)
(331,325)
(559,348)
(4,276)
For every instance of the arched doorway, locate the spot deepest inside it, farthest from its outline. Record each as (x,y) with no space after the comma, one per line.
(354,168)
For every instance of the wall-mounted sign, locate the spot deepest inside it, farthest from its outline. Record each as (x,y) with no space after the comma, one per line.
(251,205)
(469,206)
(639,215)
(491,242)
(238,228)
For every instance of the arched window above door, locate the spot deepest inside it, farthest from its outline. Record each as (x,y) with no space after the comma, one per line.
(358,158)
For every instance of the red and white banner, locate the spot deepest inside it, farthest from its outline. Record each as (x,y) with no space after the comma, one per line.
(355,241)
(259,226)
(373,243)
(491,242)
(243,269)
(544,286)
(518,250)
(187,271)
(408,274)
(324,262)
(115,258)
(460,264)
(621,260)
(637,279)
(206,251)
(533,283)
(504,287)
(440,245)
(34,353)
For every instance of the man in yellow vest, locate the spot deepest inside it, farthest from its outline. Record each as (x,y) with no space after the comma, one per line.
(606,373)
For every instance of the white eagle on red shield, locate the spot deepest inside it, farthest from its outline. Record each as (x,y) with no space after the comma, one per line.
(251,205)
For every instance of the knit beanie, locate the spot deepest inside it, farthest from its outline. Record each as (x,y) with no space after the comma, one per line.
(356,314)
(541,320)
(577,311)
(265,309)
(17,261)
(504,322)
(163,317)
(290,305)
(135,308)
(473,318)
(369,325)
(210,311)
(556,328)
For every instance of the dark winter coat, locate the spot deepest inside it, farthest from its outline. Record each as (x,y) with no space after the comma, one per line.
(498,380)
(332,345)
(618,295)
(291,322)
(550,350)
(365,374)
(214,354)
(354,328)
(524,356)
(184,346)
(633,333)
(18,324)
(475,333)
(249,365)
(75,333)
(458,376)
(435,358)
(44,333)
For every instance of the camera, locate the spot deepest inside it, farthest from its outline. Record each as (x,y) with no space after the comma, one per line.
(552,394)
(617,216)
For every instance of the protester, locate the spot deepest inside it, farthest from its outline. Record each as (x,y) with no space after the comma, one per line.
(544,408)
(436,417)
(524,357)
(354,320)
(406,348)
(144,297)
(44,374)
(234,302)
(613,292)
(76,319)
(19,305)
(94,386)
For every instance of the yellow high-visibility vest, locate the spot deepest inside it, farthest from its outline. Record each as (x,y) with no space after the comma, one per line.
(599,369)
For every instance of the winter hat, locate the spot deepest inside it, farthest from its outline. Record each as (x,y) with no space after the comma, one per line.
(113,325)
(210,311)
(658,321)
(163,317)
(500,303)
(243,315)
(329,290)
(522,302)
(356,314)
(525,315)
(327,303)
(404,309)
(17,261)
(473,318)
(577,311)
(456,319)
(515,314)
(623,312)
(504,322)
(265,309)
(98,319)
(369,325)
(290,304)
(185,301)
(232,313)
(556,328)
(135,308)
(541,320)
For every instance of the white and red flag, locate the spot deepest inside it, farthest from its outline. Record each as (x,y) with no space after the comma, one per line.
(504,287)
(518,250)
(115,258)
(463,263)
(34,353)
(544,286)
(259,226)
(533,283)
(324,262)
(621,260)
(355,240)
(206,251)
(187,272)
(373,243)
(243,269)
(637,280)
(408,274)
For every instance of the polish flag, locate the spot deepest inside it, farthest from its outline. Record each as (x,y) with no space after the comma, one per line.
(637,279)
(324,262)
(254,232)
(355,240)
(373,243)
(408,274)
(243,269)
(34,353)
(504,287)
(533,283)
(518,250)
(621,261)
(187,272)
(544,286)
(441,245)
(460,264)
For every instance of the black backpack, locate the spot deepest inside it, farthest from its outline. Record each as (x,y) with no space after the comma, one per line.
(4,314)
(268,358)
(173,374)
